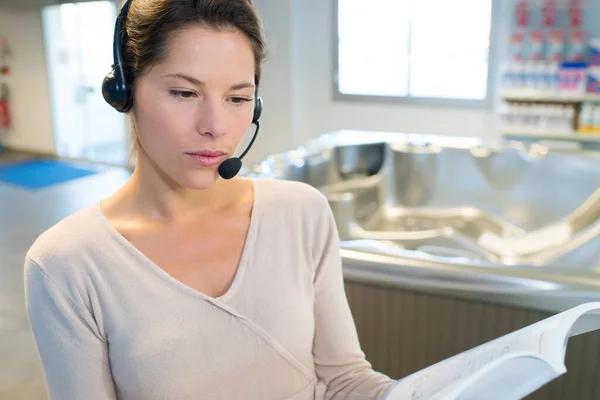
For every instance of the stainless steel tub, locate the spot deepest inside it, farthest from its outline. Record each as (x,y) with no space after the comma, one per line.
(511,223)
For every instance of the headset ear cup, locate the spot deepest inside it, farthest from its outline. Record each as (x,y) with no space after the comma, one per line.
(258,106)
(108,88)
(115,92)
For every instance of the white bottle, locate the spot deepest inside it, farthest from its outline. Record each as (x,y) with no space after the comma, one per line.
(553,118)
(540,114)
(512,115)
(559,113)
(517,118)
(553,77)
(546,121)
(585,119)
(529,75)
(540,81)
(569,119)
(540,117)
(528,116)
(595,119)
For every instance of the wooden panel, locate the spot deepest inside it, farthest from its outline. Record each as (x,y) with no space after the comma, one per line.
(402,332)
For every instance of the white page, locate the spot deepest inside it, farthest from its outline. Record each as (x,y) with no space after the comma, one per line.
(547,339)
(576,321)
(521,374)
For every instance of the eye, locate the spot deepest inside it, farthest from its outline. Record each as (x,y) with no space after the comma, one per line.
(181,94)
(239,100)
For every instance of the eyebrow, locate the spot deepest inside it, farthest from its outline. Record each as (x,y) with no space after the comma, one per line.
(197,82)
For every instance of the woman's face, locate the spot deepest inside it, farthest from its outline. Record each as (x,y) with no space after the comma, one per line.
(200,99)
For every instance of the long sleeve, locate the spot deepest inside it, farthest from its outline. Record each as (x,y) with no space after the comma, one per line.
(339,360)
(73,354)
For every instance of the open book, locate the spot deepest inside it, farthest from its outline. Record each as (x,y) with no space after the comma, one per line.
(508,368)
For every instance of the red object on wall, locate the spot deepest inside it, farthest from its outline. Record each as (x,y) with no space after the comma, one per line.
(4,115)
(5,119)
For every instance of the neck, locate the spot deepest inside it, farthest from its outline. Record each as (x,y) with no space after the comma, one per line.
(157,197)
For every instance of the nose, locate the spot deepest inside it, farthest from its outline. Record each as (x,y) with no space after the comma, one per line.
(212,119)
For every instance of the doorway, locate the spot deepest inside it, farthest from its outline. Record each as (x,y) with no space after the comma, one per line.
(78,41)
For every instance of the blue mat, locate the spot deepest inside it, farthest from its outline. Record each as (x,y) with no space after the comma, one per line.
(39,174)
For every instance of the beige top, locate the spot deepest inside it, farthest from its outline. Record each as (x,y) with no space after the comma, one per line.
(111,324)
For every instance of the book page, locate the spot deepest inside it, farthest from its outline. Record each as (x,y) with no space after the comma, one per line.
(511,386)
(545,340)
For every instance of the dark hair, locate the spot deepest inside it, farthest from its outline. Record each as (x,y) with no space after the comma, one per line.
(151,24)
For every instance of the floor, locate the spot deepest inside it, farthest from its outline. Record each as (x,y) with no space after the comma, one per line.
(24,214)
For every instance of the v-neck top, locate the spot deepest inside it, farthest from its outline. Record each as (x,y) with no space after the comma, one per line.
(151,267)
(109,324)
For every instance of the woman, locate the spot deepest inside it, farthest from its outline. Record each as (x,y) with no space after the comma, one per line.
(183,285)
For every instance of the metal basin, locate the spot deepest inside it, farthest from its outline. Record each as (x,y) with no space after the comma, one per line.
(457,205)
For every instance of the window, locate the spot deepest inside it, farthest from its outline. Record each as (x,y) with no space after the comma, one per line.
(414,48)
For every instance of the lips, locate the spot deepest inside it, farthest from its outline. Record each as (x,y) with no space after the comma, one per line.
(207,158)
(206,153)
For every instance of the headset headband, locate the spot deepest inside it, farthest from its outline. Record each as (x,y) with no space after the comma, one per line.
(120,37)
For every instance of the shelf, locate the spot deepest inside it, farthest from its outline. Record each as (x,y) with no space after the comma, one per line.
(558,136)
(548,96)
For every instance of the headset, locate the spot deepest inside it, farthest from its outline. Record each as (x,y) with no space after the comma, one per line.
(117,92)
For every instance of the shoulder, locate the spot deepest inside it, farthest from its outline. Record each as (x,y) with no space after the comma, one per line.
(298,213)
(71,238)
(292,197)
(60,269)
(290,192)
(296,209)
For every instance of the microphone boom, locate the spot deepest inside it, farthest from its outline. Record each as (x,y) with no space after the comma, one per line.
(232,166)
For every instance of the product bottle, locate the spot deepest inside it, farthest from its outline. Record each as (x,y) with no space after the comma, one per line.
(596,120)
(554,76)
(585,119)
(570,119)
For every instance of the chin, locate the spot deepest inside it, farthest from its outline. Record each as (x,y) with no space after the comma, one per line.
(200,179)
(182,175)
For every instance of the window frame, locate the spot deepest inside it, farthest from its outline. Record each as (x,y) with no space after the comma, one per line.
(499,18)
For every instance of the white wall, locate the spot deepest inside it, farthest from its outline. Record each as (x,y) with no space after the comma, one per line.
(276,84)
(30,97)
